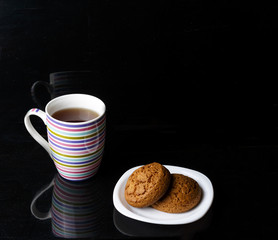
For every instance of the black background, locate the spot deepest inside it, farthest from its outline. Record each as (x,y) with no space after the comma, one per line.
(187,83)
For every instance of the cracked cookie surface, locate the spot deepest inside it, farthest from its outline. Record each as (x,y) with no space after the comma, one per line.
(184,193)
(147,184)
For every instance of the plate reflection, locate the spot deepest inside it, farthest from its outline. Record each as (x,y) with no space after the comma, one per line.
(135,228)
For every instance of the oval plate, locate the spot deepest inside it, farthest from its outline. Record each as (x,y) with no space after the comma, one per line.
(152,215)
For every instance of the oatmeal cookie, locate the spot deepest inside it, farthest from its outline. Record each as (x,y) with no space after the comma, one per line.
(147,184)
(184,193)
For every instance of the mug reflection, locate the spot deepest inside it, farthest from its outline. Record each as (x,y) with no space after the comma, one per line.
(75,210)
(61,83)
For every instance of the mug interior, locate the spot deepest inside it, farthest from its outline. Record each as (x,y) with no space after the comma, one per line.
(76,101)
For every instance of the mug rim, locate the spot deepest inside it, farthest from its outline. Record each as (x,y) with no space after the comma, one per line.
(74,123)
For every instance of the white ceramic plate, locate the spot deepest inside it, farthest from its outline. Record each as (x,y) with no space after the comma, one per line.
(152,215)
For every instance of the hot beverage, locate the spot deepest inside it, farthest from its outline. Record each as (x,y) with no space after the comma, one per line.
(75,115)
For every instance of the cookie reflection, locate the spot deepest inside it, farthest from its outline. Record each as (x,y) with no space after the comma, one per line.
(76,208)
(134,228)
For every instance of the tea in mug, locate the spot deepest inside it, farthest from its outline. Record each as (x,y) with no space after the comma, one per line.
(75,115)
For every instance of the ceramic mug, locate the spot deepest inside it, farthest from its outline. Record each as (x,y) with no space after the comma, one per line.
(76,208)
(75,147)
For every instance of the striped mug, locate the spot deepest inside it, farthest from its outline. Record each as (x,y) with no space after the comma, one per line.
(75,147)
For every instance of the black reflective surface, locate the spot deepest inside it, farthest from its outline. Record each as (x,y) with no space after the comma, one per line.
(133,228)
(186,83)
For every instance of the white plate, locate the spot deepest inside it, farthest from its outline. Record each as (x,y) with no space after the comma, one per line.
(152,215)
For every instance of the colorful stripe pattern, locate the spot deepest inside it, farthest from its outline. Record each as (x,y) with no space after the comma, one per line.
(76,209)
(76,148)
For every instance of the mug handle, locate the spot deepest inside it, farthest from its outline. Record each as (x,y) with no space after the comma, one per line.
(36,213)
(34,93)
(43,83)
(48,87)
(33,132)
